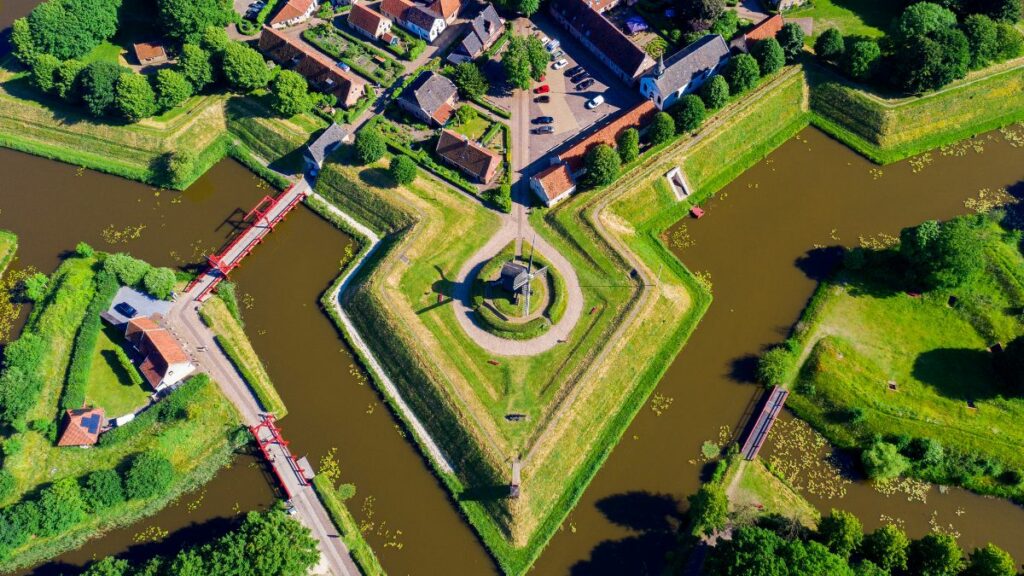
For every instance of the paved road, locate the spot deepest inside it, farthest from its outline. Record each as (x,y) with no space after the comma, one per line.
(187,326)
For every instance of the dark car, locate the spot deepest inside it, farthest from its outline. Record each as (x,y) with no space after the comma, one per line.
(585,84)
(574,70)
(578,74)
(125,309)
(544,130)
(542,99)
(543,120)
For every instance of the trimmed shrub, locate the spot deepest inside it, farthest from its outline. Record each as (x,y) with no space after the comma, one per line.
(402,169)
(689,113)
(149,475)
(715,92)
(80,367)
(159,282)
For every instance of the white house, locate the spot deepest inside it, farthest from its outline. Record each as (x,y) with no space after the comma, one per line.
(553,184)
(414,18)
(294,12)
(685,72)
(164,362)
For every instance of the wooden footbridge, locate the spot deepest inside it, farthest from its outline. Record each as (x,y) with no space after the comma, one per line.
(257,223)
(773,403)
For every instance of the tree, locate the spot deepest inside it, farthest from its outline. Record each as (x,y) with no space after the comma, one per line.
(742,73)
(159,282)
(922,19)
(752,551)
(149,474)
(887,548)
(244,68)
(726,25)
(402,169)
(814,558)
(267,543)
(84,250)
(500,196)
(830,45)
(98,82)
(103,489)
(1008,11)
(134,98)
(715,92)
(883,460)
(791,39)
(538,56)
(290,94)
(172,88)
(44,71)
(370,145)
(21,38)
(470,81)
(109,566)
(661,129)
(214,39)
(465,114)
(628,144)
(67,28)
(128,270)
(516,63)
(186,20)
(1011,44)
(983,38)
(701,14)
(194,65)
(67,79)
(602,163)
(931,62)
(935,554)
(769,56)
(60,507)
(774,365)
(841,532)
(860,59)
(991,561)
(8,485)
(709,510)
(689,113)
(36,286)
(956,255)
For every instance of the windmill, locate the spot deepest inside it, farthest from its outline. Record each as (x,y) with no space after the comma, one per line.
(524,280)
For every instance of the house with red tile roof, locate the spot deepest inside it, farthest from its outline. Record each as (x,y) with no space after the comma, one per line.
(294,12)
(763,30)
(448,10)
(368,22)
(422,22)
(150,53)
(553,184)
(322,73)
(471,158)
(164,362)
(81,427)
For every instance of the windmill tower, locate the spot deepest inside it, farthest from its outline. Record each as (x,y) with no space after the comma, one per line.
(523,282)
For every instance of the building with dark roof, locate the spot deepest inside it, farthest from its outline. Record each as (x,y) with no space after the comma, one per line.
(685,71)
(430,98)
(318,150)
(473,159)
(322,73)
(484,31)
(82,427)
(602,37)
(368,22)
(513,274)
(416,19)
(553,184)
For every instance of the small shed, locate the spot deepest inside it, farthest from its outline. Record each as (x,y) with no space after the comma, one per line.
(318,150)
(150,53)
(82,427)
(512,275)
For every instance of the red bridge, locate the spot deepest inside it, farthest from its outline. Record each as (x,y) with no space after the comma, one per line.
(776,399)
(259,222)
(275,450)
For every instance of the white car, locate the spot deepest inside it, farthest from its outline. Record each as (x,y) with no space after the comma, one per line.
(560,64)
(594,102)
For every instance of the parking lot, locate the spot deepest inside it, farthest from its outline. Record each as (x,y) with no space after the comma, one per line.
(567,105)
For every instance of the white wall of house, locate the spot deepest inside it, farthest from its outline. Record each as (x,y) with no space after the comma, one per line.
(429,35)
(649,90)
(299,19)
(538,189)
(176,373)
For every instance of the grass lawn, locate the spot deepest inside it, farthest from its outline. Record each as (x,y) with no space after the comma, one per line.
(474,129)
(109,386)
(753,491)
(852,17)
(861,338)
(105,52)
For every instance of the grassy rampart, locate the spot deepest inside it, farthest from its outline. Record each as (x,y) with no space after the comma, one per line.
(886,130)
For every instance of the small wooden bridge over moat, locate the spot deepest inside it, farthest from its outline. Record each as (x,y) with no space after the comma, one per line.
(257,223)
(756,434)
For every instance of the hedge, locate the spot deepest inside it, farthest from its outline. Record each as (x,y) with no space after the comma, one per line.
(85,342)
(159,412)
(128,366)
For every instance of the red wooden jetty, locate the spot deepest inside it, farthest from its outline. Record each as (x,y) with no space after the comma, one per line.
(272,446)
(774,401)
(259,222)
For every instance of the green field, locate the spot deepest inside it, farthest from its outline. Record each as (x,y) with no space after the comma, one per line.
(858,337)
(109,386)
(870,18)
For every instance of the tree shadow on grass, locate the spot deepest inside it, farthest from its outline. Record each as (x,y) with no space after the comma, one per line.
(655,517)
(958,373)
(377,177)
(484,493)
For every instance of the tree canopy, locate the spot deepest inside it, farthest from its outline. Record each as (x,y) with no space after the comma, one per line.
(701,14)
(516,63)
(689,113)
(194,64)
(187,20)
(172,88)
(370,145)
(290,94)
(791,39)
(769,55)
(742,73)
(602,163)
(628,144)
(841,532)
(402,169)
(935,554)
(98,81)
(887,548)
(830,45)
(244,68)
(715,92)
(470,81)
(134,98)
(661,129)
(66,28)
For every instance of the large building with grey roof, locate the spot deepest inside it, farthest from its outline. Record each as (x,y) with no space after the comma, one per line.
(685,71)
(430,98)
(484,30)
(585,21)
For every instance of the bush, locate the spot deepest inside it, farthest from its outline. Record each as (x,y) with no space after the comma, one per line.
(983,38)
(830,46)
(134,98)
(860,59)
(791,40)
(887,547)
(244,68)
(159,282)
(402,169)
(501,197)
(370,145)
(84,250)
(128,270)
(602,163)
(97,82)
(629,145)
(290,94)
(1010,42)
(60,507)
(194,64)
(715,92)
(662,128)
(774,366)
(44,71)
(172,88)
(103,489)
(470,81)
(883,460)
(66,81)
(149,475)
(769,55)
(841,532)
(36,286)
(20,382)
(742,73)
(709,509)
(346,491)
(7,485)
(935,555)
(689,113)
(80,366)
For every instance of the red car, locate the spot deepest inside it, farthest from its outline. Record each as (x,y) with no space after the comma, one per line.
(542,89)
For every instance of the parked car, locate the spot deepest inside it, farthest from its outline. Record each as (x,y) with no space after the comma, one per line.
(544,130)
(543,89)
(585,84)
(560,64)
(552,45)
(543,120)
(544,40)
(542,99)
(581,76)
(594,102)
(125,309)
(557,54)
(574,70)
